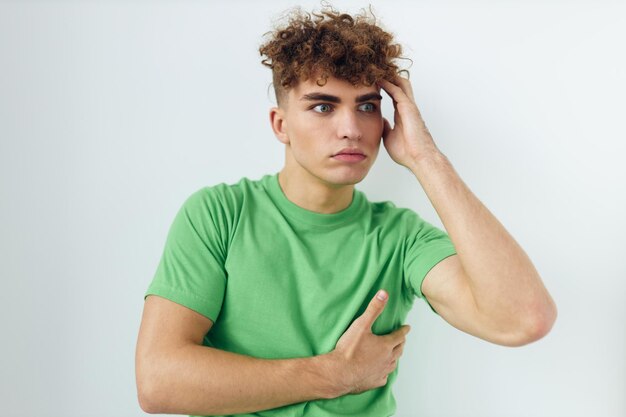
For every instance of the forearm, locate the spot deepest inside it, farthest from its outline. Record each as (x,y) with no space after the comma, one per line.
(504,282)
(201,380)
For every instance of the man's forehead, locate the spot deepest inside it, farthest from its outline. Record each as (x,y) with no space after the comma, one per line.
(309,89)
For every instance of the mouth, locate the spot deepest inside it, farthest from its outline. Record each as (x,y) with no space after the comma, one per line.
(349,151)
(349,156)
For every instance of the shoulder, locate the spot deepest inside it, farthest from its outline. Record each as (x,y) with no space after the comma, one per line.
(387,213)
(224,196)
(406,225)
(218,208)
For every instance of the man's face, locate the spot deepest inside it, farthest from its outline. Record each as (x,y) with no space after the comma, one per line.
(320,122)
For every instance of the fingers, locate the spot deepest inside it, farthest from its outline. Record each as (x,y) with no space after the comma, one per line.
(395,355)
(399,90)
(392,365)
(393,90)
(374,308)
(397,351)
(406,87)
(398,336)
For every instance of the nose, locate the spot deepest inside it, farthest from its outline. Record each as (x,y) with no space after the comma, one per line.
(348,126)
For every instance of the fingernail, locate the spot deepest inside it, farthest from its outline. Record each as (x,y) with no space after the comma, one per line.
(381,295)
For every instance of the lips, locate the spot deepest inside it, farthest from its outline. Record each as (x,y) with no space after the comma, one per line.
(349,151)
(351,156)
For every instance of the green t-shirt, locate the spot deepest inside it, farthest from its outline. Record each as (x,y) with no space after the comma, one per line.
(280,281)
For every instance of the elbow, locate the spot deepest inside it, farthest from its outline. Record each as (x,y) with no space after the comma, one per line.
(531,330)
(146,390)
(146,404)
(544,314)
(545,321)
(146,399)
(540,325)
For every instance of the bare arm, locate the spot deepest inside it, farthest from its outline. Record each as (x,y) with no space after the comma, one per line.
(177,375)
(506,289)
(491,277)
(200,380)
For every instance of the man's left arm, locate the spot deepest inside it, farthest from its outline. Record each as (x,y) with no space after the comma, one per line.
(491,288)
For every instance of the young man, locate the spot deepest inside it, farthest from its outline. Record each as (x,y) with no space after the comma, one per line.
(287,295)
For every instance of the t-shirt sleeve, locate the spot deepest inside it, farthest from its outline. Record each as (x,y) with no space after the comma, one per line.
(191,270)
(426,245)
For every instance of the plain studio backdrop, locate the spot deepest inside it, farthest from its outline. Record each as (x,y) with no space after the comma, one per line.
(112,113)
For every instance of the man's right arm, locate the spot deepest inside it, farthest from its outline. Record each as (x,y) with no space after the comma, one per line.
(200,380)
(176,374)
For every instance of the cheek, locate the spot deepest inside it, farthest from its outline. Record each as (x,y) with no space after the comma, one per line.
(303,147)
(378,126)
(303,131)
(307,140)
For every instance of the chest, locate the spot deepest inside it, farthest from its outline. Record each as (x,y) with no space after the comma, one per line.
(292,293)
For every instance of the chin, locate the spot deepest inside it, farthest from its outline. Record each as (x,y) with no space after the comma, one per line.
(347,177)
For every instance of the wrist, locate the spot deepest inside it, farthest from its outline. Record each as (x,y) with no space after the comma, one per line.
(328,373)
(426,161)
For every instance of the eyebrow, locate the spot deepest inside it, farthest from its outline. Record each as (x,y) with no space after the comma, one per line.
(334,99)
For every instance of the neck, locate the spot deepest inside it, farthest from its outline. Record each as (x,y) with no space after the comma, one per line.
(312,193)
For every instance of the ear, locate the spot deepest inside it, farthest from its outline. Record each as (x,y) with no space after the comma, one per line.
(279,124)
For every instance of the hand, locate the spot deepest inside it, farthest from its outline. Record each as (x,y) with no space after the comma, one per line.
(409,140)
(362,360)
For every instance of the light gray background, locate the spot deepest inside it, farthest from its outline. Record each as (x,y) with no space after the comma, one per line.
(112,113)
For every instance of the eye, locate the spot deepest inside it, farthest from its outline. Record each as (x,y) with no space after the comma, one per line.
(323,106)
(372,107)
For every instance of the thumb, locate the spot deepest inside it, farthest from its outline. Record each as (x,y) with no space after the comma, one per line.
(386,128)
(374,308)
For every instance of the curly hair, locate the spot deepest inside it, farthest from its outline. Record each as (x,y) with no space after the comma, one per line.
(354,49)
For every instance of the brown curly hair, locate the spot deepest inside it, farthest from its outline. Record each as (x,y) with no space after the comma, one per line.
(336,44)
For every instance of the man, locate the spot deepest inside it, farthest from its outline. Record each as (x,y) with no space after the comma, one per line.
(286,295)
